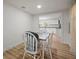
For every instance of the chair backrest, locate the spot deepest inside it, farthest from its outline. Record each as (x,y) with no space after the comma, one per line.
(31,42)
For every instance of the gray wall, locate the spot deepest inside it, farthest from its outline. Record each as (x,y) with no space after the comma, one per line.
(15,23)
(64,19)
(65,27)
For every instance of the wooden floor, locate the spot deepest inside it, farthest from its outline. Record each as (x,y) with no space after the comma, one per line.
(17,53)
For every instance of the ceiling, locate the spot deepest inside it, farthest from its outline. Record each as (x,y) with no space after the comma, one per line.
(47,5)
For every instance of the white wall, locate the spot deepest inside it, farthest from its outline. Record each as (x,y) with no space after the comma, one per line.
(65,27)
(64,19)
(36,24)
(15,22)
(44,16)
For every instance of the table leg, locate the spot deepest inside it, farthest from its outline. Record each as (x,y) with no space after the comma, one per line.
(43,51)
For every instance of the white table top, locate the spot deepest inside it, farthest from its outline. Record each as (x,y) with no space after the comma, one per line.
(43,36)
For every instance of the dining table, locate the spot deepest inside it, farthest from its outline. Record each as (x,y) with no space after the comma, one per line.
(43,38)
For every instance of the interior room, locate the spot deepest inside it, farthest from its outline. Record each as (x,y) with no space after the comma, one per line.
(39,29)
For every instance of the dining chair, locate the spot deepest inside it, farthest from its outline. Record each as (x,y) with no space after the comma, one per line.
(31,41)
(50,44)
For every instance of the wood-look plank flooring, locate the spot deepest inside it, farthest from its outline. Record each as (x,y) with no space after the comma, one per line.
(18,51)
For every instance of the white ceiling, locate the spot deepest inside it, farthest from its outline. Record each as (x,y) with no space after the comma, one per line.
(47,5)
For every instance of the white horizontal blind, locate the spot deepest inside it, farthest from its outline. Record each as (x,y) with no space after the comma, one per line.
(49,23)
